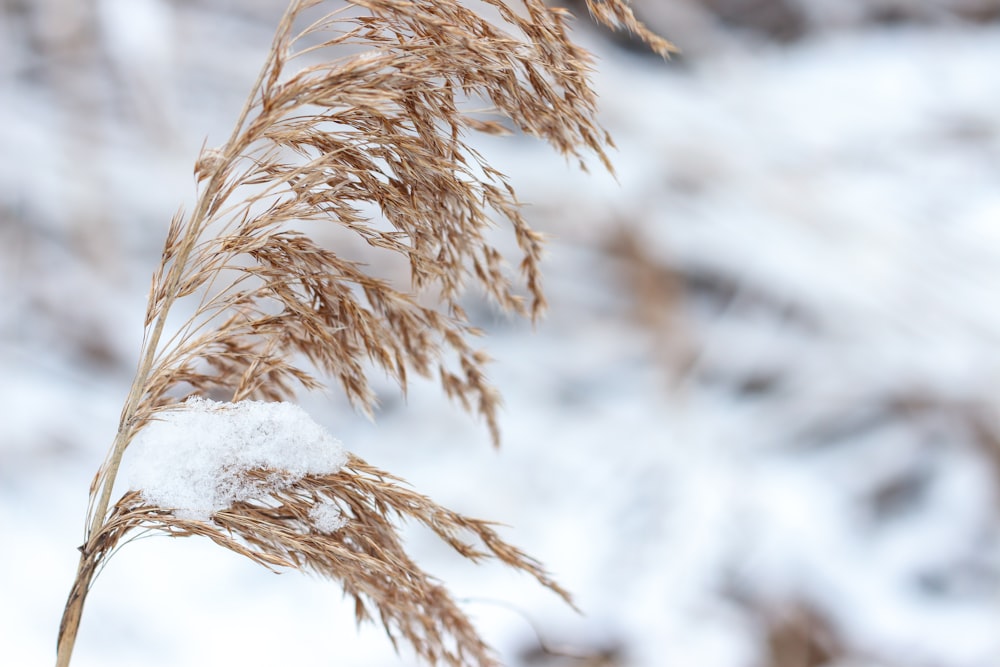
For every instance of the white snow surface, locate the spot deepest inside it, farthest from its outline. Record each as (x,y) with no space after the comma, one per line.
(194,458)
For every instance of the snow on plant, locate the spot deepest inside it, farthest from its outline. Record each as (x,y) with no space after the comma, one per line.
(327,517)
(196,458)
(375,118)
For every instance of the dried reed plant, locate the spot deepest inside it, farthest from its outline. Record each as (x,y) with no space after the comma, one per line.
(367,132)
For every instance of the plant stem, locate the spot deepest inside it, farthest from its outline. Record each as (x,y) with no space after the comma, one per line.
(90,554)
(74,609)
(109,472)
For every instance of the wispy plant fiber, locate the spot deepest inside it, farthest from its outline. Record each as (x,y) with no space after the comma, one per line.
(359,121)
(365,555)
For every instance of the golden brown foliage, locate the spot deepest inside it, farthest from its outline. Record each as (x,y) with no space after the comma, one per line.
(365,555)
(381,130)
(358,121)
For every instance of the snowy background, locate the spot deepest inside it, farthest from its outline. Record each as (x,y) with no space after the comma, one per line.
(759,427)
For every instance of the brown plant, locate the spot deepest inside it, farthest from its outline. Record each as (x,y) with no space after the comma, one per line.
(374,119)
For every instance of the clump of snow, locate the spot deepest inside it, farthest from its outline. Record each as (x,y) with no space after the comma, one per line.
(194,459)
(327,518)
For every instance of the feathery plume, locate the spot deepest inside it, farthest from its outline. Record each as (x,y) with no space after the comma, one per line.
(359,121)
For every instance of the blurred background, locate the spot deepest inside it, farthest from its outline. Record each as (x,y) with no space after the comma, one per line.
(758,427)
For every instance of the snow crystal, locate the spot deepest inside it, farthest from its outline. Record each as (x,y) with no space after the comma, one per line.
(327,518)
(193,459)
